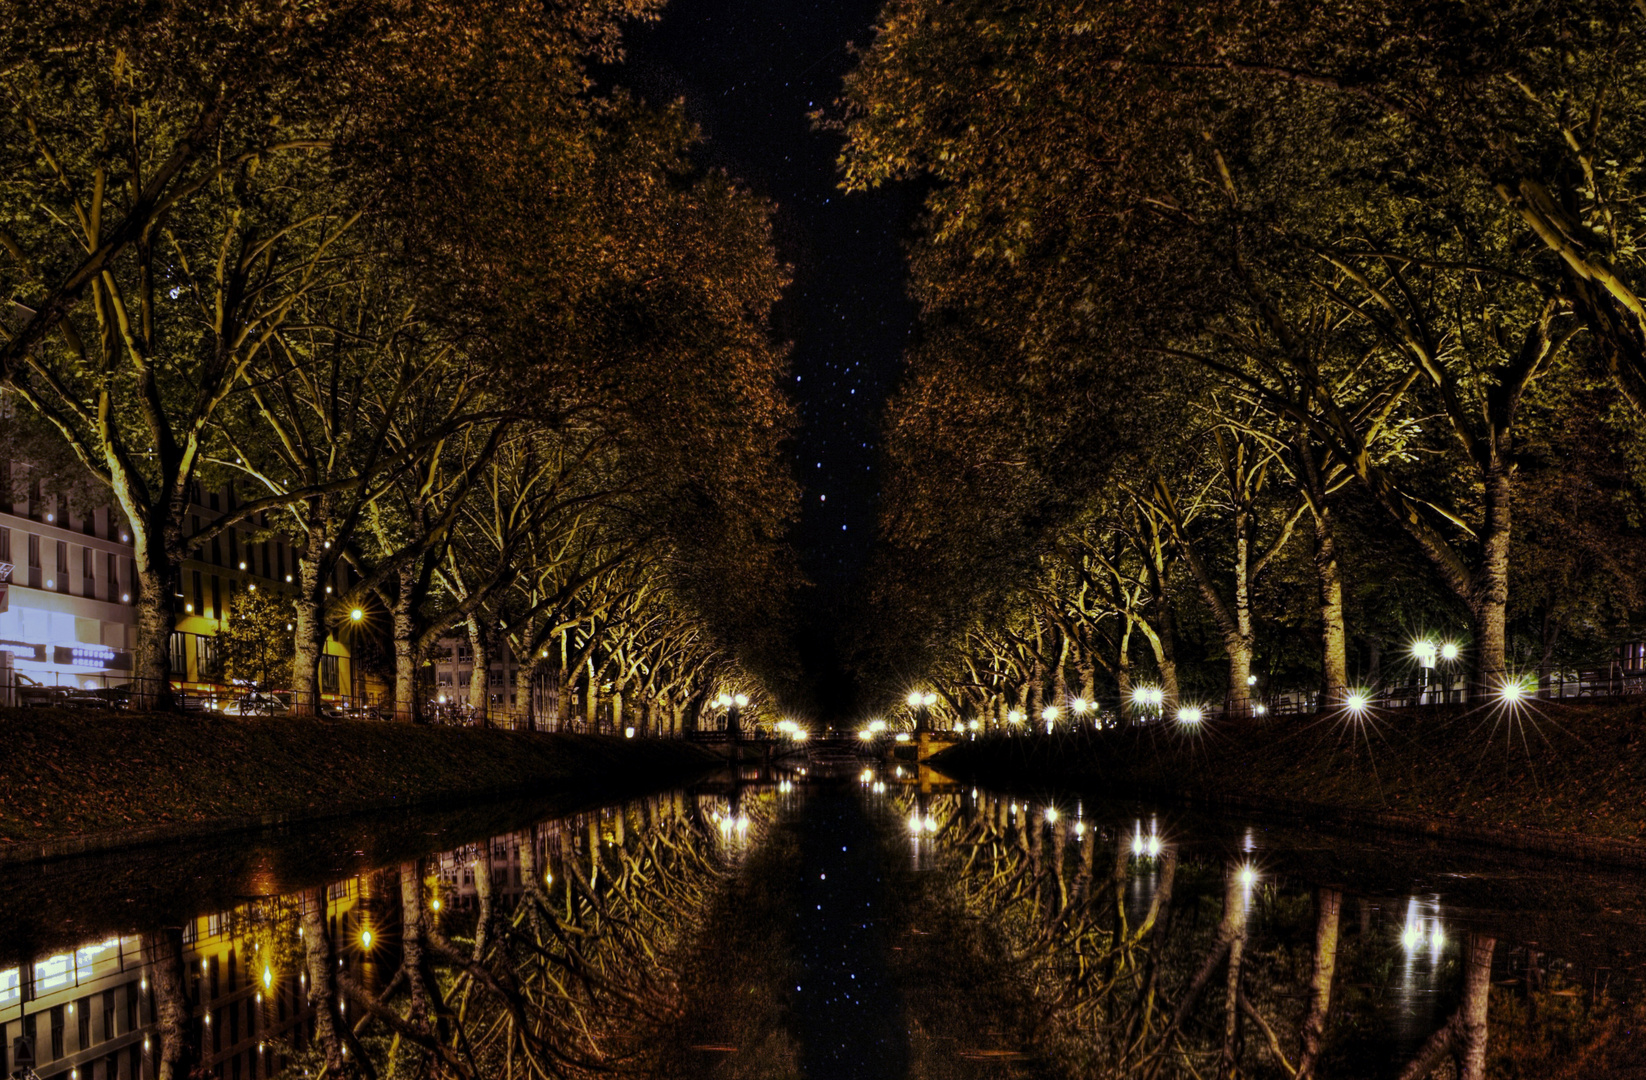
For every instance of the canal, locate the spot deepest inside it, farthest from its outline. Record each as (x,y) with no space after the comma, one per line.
(864,924)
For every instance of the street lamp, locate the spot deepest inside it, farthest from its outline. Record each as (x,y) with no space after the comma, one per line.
(1050,714)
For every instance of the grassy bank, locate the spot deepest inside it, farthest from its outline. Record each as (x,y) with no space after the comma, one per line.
(1529,776)
(67,774)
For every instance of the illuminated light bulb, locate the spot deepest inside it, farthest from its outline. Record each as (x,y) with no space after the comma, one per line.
(190,608)
(268,978)
(931,823)
(1448,651)
(1424,653)
(365,938)
(242,566)
(866,735)
(1513,690)
(1356,701)
(930,699)
(1251,680)
(548,879)
(1154,846)
(741,700)
(1051,815)
(435,905)
(1189,714)
(288,579)
(356,614)
(902,736)
(1050,713)
(914,699)
(1137,841)
(1247,875)
(1080,828)
(1015,716)
(914,824)
(742,823)
(251,586)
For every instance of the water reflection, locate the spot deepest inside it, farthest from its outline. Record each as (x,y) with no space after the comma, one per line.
(1154,950)
(537,952)
(785,925)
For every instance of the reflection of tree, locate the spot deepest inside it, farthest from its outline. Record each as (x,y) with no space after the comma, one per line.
(562,971)
(1149,969)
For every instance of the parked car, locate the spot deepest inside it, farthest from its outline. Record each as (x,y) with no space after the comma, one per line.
(258,703)
(31,694)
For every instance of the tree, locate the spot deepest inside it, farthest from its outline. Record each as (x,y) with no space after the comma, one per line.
(256,646)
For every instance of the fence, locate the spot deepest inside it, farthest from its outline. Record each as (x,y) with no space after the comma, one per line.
(123,693)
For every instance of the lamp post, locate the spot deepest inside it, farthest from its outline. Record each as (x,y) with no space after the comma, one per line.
(922,704)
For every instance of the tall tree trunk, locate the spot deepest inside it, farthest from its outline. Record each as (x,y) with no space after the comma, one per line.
(310,640)
(1334,659)
(481,670)
(173,1016)
(1163,638)
(525,691)
(405,647)
(1313,1032)
(1491,600)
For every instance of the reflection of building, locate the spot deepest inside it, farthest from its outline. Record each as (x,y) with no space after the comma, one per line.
(90,1013)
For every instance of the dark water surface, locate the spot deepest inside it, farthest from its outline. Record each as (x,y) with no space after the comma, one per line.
(778,924)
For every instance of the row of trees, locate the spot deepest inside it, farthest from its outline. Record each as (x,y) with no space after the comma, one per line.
(462,319)
(1246,325)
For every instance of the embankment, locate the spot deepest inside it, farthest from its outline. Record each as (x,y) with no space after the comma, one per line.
(72,781)
(1542,776)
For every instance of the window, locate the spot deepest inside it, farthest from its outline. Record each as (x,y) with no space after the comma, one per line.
(114,578)
(108,1015)
(36,575)
(57,1048)
(280,558)
(199,594)
(82,1017)
(88,572)
(179,655)
(216,598)
(5,543)
(88,524)
(131,1006)
(234,548)
(328,675)
(205,657)
(62,566)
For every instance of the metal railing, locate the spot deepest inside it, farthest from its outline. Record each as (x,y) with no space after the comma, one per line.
(124,693)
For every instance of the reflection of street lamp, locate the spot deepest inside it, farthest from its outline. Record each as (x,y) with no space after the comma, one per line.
(734,705)
(1050,714)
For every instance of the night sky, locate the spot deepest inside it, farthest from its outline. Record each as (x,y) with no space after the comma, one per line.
(750,72)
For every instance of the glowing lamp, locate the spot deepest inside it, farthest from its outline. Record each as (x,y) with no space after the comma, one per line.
(1189,714)
(356,614)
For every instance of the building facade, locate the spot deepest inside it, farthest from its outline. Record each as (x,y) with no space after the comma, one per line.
(68,582)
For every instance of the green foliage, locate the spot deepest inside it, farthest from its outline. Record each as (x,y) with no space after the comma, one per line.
(255,647)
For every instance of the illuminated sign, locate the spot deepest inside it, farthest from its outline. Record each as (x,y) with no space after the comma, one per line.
(92,655)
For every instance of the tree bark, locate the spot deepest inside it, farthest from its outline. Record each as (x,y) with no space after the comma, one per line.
(1334,659)
(481,668)
(173,1016)
(310,641)
(1313,1032)
(405,648)
(322,972)
(1491,597)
